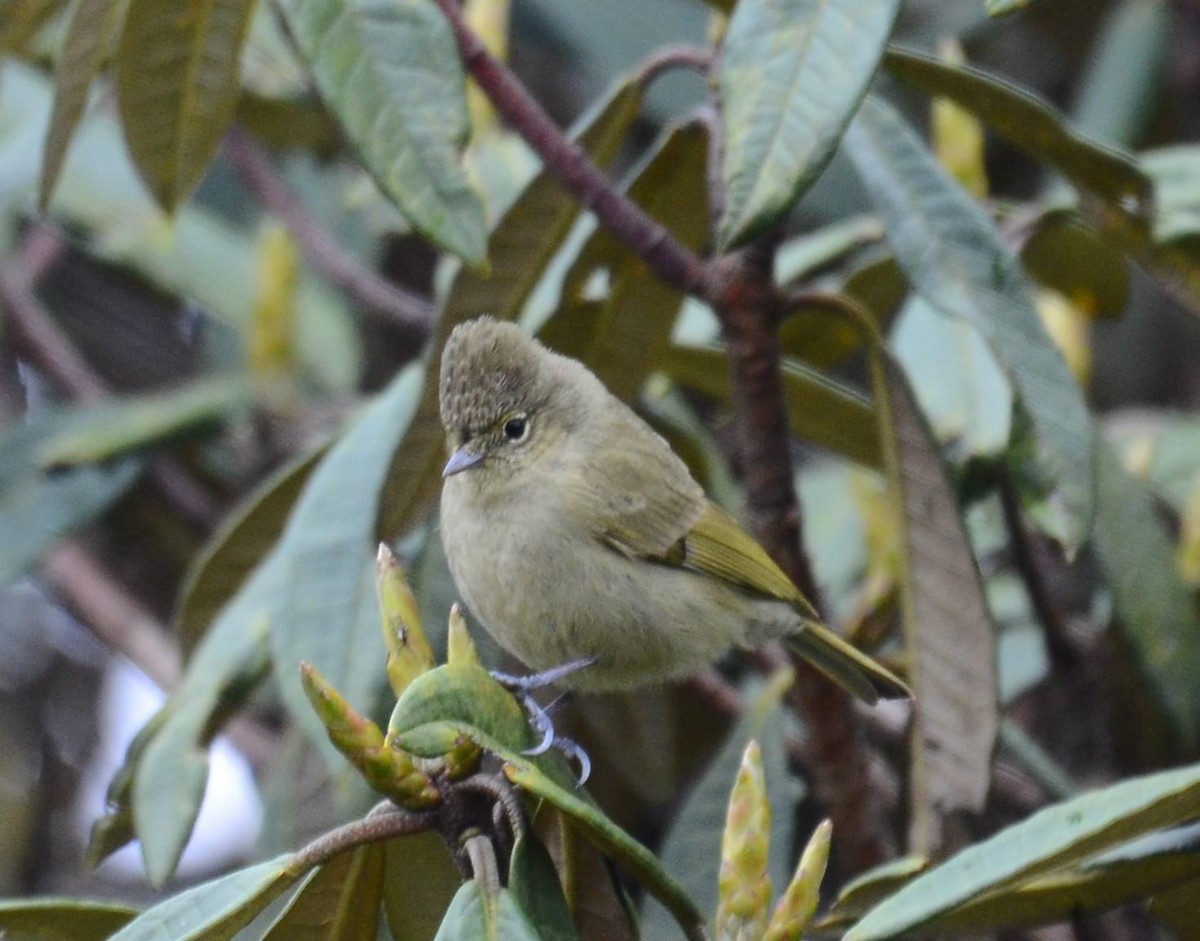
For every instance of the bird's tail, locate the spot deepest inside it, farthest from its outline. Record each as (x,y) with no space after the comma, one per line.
(846,665)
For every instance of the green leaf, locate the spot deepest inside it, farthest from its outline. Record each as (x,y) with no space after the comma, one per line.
(339,902)
(168,766)
(534,884)
(61,919)
(692,848)
(243,539)
(1154,611)
(37,508)
(962,391)
(1176,175)
(1071,258)
(389,71)
(420,880)
(802,256)
(87,41)
(1031,124)
(621,335)
(473,916)
(955,259)
(216,910)
(1059,836)
(1136,870)
(949,639)
(117,427)
(176,73)
(327,614)
(520,248)
(453,701)
(820,410)
(792,75)
(1176,910)
(864,892)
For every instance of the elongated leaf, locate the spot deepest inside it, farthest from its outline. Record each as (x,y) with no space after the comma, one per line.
(956,261)
(622,335)
(118,427)
(802,256)
(242,541)
(89,36)
(1074,260)
(389,71)
(537,890)
(216,910)
(949,640)
(792,74)
(1031,124)
(176,74)
(61,919)
(37,508)
(692,849)
(520,248)
(1059,836)
(420,880)
(327,613)
(820,409)
(340,902)
(1154,611)
(473,916)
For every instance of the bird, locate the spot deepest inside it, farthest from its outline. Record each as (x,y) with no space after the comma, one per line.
(584,545)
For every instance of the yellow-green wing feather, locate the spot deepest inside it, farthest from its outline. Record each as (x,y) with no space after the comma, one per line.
(718,545)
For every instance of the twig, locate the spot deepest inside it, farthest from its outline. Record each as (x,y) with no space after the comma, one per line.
(35,334)
(681,56)
(1063,653)
(373,828)
(662,252)
(124,625)
(375,293)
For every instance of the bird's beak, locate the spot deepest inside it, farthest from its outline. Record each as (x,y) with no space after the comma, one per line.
(461,460)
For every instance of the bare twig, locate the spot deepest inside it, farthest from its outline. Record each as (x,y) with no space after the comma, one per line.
(375,293)
(373,828)
(566,161)
(682,56)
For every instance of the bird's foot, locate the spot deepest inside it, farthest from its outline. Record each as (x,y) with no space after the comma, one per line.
(541,718)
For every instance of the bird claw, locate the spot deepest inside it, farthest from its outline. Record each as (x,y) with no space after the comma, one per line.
(541,717)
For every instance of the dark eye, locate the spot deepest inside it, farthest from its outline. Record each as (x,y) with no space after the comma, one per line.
(517,428)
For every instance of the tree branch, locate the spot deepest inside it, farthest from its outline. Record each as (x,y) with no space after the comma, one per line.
(377,294)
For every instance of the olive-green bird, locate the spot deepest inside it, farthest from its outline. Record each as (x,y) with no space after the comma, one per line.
(574,533)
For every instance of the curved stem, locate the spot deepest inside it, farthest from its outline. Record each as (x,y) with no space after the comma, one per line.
(376,827)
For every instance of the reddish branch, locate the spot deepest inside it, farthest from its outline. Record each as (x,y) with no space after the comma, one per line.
(339,266)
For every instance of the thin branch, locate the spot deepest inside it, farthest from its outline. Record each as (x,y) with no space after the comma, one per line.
(682,56)
(658,248)
(378,295)
(373,828)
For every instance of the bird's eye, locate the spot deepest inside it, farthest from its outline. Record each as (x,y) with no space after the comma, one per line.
(516,428)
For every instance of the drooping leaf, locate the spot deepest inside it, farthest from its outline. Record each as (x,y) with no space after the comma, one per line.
(327,613)
(420,879)
(955,259)
(176,72)
(1070,257)
(216,910)
(118,427)
(391,74)
(473,916)
(804,255)
(963,393)
(623,333)
(820,409)
(1155,613)
(242,540)
(38,507)
(61,919)
(1031,124)
(1059,836)
(949,641)
(792,74)
(340,902)
(537,890)
(88,38)
(864,892)
(520,248)
(692,849)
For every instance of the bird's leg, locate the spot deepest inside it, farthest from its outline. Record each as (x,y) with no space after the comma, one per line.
(541,717)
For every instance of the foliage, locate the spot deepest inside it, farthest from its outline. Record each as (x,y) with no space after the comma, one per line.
(969,513)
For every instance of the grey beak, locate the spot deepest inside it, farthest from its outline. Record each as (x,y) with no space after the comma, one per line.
(461,460)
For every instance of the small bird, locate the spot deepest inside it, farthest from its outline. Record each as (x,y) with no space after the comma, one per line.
(576,535)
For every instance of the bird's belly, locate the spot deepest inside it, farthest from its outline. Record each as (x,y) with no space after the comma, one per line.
(640,621)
